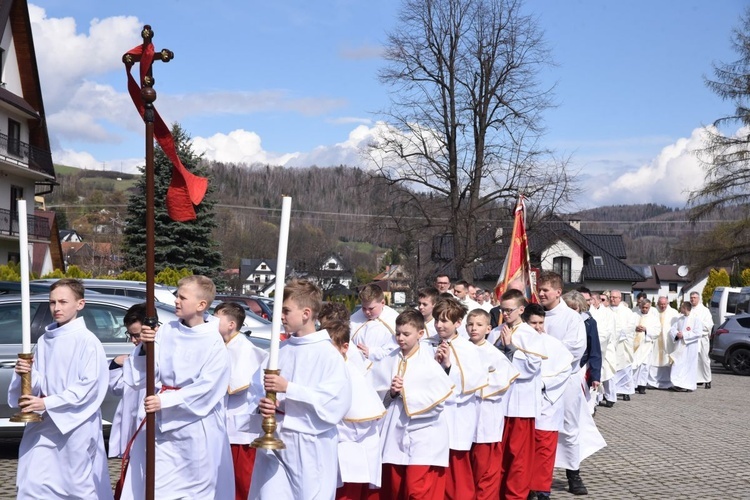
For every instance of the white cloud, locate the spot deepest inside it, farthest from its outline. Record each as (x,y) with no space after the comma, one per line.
(82,159)
(239,146)
(666,179)
(362,52)
(347,120)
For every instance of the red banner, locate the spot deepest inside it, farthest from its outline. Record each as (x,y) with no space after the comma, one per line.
(185,189)
(516,272)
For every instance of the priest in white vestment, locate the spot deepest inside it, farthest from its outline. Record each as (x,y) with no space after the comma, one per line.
(703,315)
(686,332)
(660,364)
(647,331)
(625,331)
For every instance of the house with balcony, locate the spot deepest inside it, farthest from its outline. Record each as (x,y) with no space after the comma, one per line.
(26,168)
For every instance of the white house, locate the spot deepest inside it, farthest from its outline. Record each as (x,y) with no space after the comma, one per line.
(26,168)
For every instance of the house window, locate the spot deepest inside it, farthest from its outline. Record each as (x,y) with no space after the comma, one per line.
(598,260)
(331,265)
(263,267)
(14,137)
(673,287)
(561,265)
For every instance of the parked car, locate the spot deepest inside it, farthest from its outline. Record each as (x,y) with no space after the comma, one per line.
(137,289)
(727,301)
(731,344)
(103,315)
(14,287)
(261,306)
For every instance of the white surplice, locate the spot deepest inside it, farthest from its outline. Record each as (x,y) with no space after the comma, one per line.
(684,358)
(605,322)
(415,427)
(642,354)
(318,396)
(660,364)
(359,436)
(125,421)
(524,396)
(625,332)
(377,334)
(192,367)
(490,403)
(246,363)
(469,375)
(63,455)
(703,315)
(556,370)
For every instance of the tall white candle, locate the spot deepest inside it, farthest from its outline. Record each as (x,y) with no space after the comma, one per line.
(23,243)
(278,303)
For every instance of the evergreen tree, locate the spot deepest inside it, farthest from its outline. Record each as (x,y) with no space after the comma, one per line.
(177,244)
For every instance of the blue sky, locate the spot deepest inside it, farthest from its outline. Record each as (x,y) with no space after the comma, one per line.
(295,82)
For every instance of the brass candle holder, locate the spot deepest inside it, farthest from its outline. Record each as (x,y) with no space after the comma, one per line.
(268,440)
(21,416)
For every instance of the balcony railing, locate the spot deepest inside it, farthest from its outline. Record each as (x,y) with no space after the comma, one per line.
(38,226)
(21,153)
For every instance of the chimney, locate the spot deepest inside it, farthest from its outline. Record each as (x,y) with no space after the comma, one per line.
(575,224)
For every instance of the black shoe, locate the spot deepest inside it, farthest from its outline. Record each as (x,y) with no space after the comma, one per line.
(626,397)
(640,389)
(606,404)
(674,388)
(542,496)
(533,496)
(575,484)
(708,385)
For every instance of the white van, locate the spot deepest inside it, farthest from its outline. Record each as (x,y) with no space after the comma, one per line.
(727,301)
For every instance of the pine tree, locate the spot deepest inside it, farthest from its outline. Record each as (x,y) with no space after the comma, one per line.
(178,244)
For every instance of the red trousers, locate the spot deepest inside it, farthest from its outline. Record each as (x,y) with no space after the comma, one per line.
(459,481)
(486,463)
(413,482)
(518,458)
(545,446)
(357,491)
(243,457)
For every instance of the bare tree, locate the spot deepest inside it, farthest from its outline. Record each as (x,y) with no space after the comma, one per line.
(726,160)
(465,120)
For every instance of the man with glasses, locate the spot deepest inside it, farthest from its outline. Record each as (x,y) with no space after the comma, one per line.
(443,283)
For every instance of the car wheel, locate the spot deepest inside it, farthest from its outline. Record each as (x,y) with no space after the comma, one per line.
(739,361)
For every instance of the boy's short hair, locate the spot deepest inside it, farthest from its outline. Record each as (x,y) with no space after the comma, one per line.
(446,295)
(234,311)
(304,293)
(332,311)
(583,289)
(532,310)
(411,317)
(206,287)
(136,314)
(429,292)
(478,312)
(551,278)
(75,285)
(450,309)
(339,331)
(516,295)
(687,305)
(371,292)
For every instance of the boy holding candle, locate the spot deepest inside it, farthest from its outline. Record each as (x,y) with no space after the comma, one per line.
(63,455)
(193,457)
(313,395)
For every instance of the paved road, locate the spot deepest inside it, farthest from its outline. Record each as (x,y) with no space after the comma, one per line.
(660,445)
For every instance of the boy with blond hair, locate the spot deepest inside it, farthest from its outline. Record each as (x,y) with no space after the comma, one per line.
(313,395)
(373,327)
(414,434)
(460,359)
(359,463)
(63,455)
(192,371)
(246,364)
(486,451)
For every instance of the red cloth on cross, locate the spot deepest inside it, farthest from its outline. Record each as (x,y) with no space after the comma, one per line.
(185,189)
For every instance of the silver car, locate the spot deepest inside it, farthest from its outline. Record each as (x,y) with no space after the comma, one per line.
(730,344)
(103,315)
